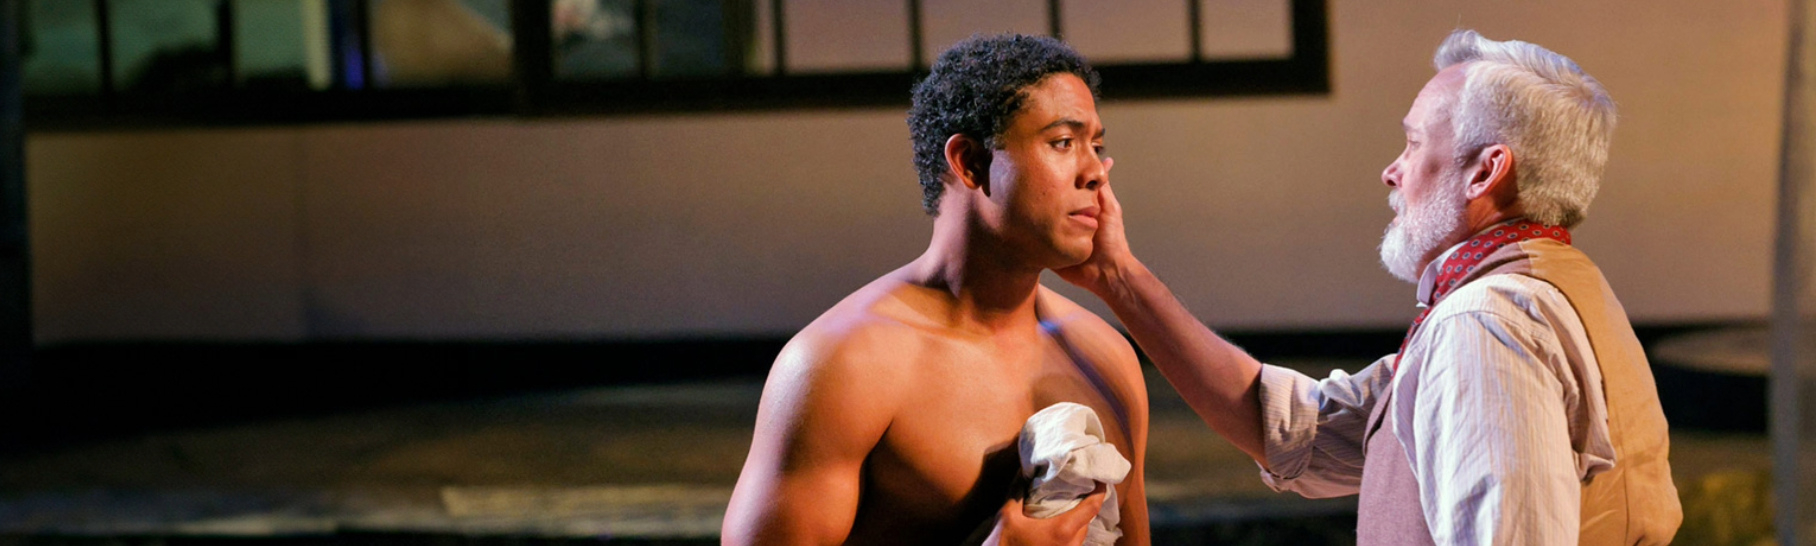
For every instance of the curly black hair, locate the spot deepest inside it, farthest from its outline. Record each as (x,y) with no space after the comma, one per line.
(975,89)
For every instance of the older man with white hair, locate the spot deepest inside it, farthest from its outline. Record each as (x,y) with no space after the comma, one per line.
(1520,408)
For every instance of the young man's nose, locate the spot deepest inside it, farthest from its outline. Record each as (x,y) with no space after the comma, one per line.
(1097,172)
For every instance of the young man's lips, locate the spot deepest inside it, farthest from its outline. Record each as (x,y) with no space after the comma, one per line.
(1087,215)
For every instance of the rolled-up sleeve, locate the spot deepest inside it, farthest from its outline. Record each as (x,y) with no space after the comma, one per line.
(1312,429)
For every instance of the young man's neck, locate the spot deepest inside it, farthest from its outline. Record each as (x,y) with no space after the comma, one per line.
(988,285)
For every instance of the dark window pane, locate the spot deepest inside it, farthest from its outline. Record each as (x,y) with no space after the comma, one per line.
(760,45)
(419,43)
(594,39)
(62,54)
(281,44)
(602,39)
(690,38)
(166,46)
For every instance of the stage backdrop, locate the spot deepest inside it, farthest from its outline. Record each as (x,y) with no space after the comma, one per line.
(1262,213)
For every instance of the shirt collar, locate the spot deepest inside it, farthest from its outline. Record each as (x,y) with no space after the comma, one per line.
(1428,280)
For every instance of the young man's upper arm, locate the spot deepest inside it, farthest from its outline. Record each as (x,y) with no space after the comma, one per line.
(824,408)
(1133,500)
(1110,354)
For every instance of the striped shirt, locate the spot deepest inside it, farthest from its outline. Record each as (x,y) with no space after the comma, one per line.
(1500,413)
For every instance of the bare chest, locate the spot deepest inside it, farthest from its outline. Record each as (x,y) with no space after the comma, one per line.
(949,456)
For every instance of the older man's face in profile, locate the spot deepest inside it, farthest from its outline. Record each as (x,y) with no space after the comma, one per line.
(1425,181)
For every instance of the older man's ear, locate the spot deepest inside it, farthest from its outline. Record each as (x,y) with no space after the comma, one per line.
(1491,173)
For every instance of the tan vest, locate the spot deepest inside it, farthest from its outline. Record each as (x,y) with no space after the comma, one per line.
(1633,503)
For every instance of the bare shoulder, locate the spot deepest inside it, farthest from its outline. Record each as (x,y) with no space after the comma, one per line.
(1101,345)
(872,325)
(857,351)
(1079,325)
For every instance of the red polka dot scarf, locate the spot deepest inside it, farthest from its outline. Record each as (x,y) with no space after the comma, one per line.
(1468,255)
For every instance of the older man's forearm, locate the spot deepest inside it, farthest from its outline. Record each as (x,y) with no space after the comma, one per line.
(1218,379)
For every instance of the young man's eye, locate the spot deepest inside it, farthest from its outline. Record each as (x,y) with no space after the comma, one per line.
(1063,144)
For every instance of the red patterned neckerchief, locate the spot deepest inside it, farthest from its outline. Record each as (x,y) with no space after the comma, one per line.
(1469,254)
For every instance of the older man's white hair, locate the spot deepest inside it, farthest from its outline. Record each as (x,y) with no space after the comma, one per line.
(1557,120)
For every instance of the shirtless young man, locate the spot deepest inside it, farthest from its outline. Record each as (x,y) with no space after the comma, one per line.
(893,417)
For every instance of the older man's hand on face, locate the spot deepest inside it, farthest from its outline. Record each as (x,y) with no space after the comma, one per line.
(1110,256)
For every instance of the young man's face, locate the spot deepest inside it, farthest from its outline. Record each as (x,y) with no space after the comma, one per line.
(1045,178)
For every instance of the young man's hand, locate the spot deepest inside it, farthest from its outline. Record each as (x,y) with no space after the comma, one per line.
(1013,528)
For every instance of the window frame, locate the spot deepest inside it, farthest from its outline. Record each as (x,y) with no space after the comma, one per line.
(534,92)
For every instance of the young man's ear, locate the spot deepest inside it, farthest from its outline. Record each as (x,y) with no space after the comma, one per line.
(968,160)
(1491,173)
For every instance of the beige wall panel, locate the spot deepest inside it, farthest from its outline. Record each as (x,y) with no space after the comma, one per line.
(1245,29)
(670,226)
(164,235)
(844,35)
(1128,30)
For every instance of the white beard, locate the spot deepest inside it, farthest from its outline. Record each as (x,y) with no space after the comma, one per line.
(1418,233)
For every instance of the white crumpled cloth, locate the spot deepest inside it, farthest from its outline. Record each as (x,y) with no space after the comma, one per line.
(1064,454)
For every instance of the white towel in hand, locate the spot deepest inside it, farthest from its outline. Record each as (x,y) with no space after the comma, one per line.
(1064,452)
